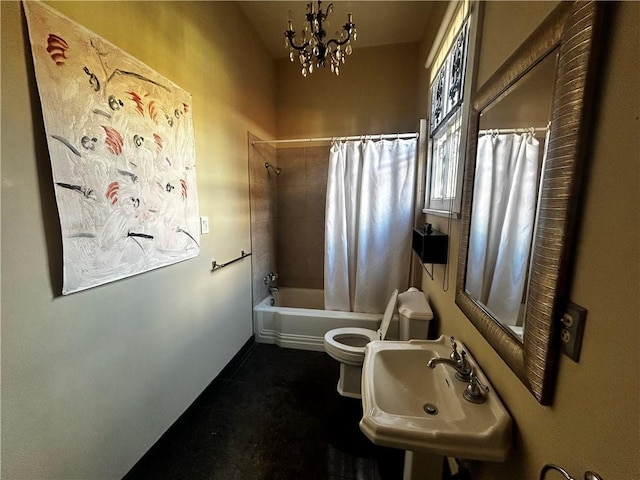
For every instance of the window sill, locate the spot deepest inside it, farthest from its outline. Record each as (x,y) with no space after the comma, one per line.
(441,213)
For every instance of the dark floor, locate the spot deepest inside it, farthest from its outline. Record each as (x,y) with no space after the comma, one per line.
(276,416)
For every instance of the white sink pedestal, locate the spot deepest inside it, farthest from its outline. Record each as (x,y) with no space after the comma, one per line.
(422,466)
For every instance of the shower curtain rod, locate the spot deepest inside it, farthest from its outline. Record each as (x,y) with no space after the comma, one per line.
(513,130)
(352,137)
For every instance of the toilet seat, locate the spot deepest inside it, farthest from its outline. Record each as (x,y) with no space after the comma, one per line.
(347,344)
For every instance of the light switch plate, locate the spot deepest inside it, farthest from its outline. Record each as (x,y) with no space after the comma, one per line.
(204,225)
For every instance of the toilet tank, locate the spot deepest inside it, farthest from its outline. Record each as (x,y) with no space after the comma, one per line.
(414,314)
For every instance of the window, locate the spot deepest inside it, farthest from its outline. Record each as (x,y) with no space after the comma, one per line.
(450,83)
(444,163)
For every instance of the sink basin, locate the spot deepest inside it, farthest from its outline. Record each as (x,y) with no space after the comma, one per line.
(398,388)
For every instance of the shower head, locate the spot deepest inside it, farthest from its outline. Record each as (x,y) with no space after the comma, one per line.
(276,170)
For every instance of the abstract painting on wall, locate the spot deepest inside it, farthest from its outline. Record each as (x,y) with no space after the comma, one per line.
(122,152)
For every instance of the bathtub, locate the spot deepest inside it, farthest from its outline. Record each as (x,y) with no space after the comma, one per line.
(297,319)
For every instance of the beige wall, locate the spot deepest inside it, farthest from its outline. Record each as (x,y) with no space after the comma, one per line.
(504,27)
(375,93)
(593,423)
(90,381)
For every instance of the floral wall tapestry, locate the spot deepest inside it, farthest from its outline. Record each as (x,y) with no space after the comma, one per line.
(122,152)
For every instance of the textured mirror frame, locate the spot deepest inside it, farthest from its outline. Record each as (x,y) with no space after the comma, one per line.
(573,27)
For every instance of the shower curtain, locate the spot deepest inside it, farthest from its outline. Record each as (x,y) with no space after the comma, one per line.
(502,219)
(369,217)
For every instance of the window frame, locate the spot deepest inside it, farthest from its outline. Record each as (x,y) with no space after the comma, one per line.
(472,24)
(449,127)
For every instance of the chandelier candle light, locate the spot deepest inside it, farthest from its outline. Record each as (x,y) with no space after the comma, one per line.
(314,49)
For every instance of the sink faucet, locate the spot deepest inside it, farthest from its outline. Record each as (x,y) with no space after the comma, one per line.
(272,289)
(462,367)
(457,361)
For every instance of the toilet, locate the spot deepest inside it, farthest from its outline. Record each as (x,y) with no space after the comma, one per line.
(346,345)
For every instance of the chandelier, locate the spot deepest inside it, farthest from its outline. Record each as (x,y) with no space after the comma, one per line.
(314,50)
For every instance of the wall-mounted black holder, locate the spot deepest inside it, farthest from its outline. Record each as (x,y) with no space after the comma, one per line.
(431,246)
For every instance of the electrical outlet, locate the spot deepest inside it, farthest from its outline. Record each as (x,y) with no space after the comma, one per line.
(204,225)
(572,330)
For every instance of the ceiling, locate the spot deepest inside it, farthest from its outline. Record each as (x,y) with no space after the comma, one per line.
(377,22)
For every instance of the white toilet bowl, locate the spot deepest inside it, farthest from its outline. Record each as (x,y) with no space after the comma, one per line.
(346,345)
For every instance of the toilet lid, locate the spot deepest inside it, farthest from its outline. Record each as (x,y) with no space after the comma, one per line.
(388,313)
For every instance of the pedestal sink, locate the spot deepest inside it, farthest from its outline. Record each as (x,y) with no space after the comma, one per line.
(410,406)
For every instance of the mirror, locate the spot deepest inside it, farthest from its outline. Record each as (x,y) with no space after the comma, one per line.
(559,54)
(509,158)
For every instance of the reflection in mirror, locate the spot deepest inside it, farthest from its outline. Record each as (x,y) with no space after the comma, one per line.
(564,45)
(511,143)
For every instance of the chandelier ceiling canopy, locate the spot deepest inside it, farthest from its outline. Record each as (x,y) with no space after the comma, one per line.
(313,50)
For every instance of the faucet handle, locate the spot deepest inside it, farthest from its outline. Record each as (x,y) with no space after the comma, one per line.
(476,391)
(270,277)
(464,368)
(462,361)
(455,356)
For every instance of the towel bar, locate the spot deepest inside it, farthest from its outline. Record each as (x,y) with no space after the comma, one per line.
(217,266)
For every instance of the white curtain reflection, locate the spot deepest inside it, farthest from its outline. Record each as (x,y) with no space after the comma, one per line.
(369,216)
(502,220)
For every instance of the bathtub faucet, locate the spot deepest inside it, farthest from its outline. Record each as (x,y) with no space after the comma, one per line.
(272,289)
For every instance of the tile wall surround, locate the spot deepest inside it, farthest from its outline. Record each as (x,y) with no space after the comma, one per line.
(263,205)
(302,189)
(287,215)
